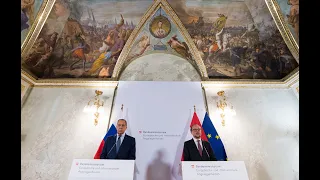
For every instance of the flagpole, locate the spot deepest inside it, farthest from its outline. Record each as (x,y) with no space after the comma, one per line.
(112,104)
(194,107)
(205,98)
(121,113)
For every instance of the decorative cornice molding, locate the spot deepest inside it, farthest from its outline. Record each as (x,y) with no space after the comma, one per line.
(240,83)
(228,86)
(109,85)
(25,90)
(259,83)
(28,75)
(291,75)
(293,80)
(27,81)
(35,24)
(66,83)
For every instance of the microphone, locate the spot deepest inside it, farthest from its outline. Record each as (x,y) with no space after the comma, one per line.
(112,147)
(205,150)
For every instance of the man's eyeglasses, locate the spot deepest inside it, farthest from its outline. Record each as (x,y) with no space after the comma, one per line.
(196,129)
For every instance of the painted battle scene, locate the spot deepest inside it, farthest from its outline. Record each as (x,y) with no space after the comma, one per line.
(29,11)
(235,39)
(83,38)
(290,12)
(159,34)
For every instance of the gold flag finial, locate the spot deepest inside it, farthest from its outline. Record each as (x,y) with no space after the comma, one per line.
(194,108)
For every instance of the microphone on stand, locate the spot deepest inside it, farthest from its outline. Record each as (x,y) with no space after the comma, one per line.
(205,150)
(111,148)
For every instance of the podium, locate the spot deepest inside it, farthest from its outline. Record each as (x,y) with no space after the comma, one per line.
(217,170)
(101,169)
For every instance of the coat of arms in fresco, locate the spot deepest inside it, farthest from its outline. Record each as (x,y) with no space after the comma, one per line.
(160,27)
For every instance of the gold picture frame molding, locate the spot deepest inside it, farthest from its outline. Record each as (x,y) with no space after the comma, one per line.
(283,83)
(282,26)
(36,26)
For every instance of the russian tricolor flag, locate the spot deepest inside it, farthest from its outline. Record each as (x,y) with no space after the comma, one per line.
(111,132)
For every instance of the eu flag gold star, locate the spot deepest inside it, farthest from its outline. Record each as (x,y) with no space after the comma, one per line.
(217,137)
(209,136)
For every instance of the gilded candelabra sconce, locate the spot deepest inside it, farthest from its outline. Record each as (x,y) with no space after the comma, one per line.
(94,105)
(224,107)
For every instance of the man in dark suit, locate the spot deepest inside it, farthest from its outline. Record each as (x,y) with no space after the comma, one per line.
(196,149)
(119,146)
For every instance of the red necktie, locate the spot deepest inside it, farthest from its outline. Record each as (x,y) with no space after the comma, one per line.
(199,148)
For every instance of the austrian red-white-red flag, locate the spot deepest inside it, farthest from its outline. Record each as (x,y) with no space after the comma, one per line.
(186,135)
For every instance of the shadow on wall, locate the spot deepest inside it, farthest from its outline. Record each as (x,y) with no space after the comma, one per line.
(158,169)
(23,137)
(176,167)
(262,173)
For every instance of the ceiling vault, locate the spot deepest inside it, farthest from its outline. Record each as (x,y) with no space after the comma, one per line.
(122,62)
(169,11)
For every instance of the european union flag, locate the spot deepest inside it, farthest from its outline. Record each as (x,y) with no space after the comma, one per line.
(214,139)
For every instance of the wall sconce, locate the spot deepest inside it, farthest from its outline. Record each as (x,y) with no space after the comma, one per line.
(224,108)
(94,105)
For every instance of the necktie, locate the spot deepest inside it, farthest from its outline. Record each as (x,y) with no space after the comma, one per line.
(199,148)
(118,143)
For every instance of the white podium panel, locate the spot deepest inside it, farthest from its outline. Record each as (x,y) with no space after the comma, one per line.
(101,169)
(217,170)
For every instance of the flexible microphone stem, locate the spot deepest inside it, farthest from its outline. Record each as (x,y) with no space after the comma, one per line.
(206,150)
(111,148)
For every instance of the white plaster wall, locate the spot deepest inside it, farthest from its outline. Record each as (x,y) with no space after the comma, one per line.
(160,67)
(55,130)
(295,89)
(264,133)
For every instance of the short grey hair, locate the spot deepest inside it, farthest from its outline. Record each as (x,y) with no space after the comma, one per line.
(122,120)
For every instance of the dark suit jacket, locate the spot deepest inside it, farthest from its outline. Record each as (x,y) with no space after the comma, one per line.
(127,149)
(191,153)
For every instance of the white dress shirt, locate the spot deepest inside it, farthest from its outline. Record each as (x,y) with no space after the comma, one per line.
(121,138)
(196,141)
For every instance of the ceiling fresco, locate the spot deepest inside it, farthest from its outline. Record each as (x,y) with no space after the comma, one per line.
(29,11)
(290,12)
(83,38)
(160,34)
(235,39)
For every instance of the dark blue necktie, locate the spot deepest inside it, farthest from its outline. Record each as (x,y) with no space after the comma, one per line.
(118,143)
